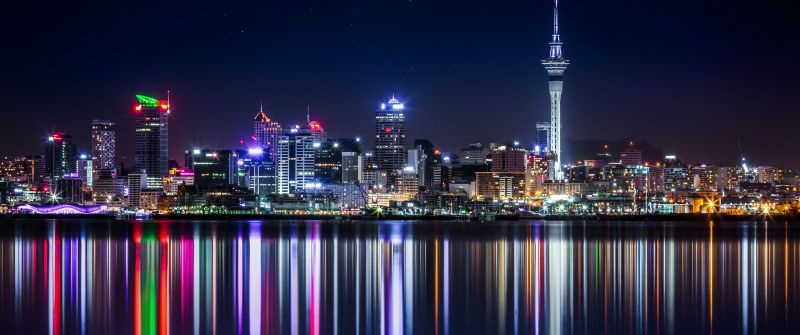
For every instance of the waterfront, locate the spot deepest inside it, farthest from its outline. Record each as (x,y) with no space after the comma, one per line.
(364,277)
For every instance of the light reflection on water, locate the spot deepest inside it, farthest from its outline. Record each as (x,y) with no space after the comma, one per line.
(70,277)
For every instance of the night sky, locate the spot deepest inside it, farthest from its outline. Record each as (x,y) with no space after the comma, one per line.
(689,77)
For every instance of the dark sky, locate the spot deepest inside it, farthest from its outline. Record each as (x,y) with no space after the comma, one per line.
(690,77)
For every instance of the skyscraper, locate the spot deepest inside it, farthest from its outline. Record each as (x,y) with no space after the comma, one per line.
(295,161)
(555,65)
(390,136)
(152,139)
(60,156)
(266,133)
(103,144)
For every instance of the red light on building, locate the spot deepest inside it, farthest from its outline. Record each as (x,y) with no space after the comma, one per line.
(314,125)
(164,106)
(241,141)
(388,130)
(137,108)
(56,137)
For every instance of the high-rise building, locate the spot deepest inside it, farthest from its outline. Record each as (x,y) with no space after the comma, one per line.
(152,139)
(542,142)
(508,158)
(502,186)
(319,133)
(257,172)
(214,169)
(555,64)
(266,133)
(104,137)
(136,183)
(86,170)
(295,161)
(60,156)
(390,136)
(350,166)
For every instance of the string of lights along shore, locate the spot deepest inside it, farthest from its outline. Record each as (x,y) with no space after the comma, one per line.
(298,169)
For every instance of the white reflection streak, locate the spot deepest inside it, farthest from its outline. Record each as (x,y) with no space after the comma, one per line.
(516,286)
(408,287)
(745,282)
(293,310)
(396,283)
(239,271)
(255,281)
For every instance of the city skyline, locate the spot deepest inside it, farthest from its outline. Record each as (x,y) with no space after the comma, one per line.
(436,109)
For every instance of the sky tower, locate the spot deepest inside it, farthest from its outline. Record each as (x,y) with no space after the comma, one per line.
(555,65)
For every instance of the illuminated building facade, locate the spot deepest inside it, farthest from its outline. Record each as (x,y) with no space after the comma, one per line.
(508,158)
(152,139)
(266,133)
(257,172)
(295,161)
(60,156)
(555,64)
(390,136)
(104,138)
(214,169)
(503,186)
(542,142)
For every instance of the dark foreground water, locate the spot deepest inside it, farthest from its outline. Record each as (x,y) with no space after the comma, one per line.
(69,277)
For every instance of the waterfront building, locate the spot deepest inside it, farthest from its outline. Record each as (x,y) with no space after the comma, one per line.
(86,170)
(136,183)
(503,186)
(177,179)
(151,156)
(257,172)
(69,190)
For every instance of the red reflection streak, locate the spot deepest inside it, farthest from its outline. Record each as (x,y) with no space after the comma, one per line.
(137,281)
(56,283)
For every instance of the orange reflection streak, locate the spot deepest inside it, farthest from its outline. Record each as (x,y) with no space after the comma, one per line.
(786,271)
(436,285)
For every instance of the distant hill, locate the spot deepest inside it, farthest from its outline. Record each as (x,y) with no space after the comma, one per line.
(589,149)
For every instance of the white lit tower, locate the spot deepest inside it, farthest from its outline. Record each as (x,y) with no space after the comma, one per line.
(555,65)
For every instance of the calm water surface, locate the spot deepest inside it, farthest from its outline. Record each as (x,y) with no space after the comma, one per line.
(72,277)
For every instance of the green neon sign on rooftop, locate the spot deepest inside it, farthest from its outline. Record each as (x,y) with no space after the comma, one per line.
(147,101)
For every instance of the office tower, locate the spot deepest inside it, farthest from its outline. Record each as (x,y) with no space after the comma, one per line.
(631,155)
(542,143)
(266,133)
(257,172)
(60,156)
(508,158)
(86,170)
(214,169)
(390,136)
(104,134)
(416,163)
(152,139)
(327,162)
(408,182)
(295,161)
(555,64)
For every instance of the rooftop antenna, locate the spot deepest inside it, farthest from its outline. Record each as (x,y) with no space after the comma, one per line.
(308,114)
(169,105)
